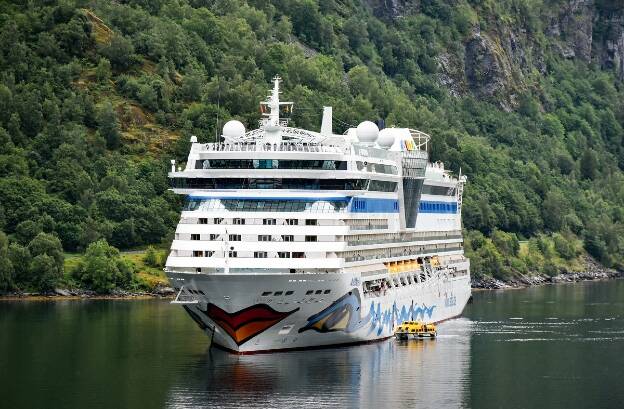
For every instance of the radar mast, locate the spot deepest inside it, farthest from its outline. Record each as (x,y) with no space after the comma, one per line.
(271,122)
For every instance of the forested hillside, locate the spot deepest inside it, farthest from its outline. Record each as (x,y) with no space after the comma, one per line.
(525,96)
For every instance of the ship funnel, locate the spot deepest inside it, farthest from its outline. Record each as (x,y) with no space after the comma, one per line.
(326,123)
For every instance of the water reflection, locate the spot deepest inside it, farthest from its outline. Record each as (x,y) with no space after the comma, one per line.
(553,346)
(387,374)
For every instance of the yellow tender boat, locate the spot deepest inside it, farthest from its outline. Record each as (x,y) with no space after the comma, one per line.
(415,329)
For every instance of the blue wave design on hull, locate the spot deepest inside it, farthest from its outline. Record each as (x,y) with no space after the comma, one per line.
(344,315)
(387,318)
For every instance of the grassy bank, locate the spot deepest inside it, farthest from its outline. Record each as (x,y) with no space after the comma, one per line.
(147,276)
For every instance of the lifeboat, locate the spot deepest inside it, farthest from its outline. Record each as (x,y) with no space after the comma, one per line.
(415,330)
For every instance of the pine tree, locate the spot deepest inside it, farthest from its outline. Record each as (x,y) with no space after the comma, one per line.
(589,165)
(108,126)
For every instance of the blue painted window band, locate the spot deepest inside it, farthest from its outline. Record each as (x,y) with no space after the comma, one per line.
(437,207)
(369,205)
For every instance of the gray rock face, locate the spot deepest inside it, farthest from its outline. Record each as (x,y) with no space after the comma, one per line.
(164,291)
(496,64)
(450,74)
(573,25)
(609,39)
(484,72)
(390,9)
(493,68)
(590,31)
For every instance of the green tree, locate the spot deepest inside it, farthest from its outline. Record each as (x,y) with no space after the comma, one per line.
(565,246)
(554,210)
(506,243)
(589,164)
(103,70)
(192,84)
(26,231)
(20,259)
(103,269)
(46,267)
(151,258)
(44,272)
(6,267)
(108,125)
(120,53)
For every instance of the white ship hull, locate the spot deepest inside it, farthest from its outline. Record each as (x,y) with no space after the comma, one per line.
(244,321)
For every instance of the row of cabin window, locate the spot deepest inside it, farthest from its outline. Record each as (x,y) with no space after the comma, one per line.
(267,222)
(309,292)
(257,254)
(261,237)
(281,183)
(286,237)
(280,254)
(270,164)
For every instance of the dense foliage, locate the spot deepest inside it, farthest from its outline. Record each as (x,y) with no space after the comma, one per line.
(96,96)
(103,269)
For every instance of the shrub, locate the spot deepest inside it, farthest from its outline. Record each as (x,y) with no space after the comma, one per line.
(103,269)
(151,258)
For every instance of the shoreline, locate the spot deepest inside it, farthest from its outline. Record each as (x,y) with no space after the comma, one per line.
(480,284)
(594,272)
(79,294)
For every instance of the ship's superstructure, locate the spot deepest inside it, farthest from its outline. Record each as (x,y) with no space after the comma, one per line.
(291,238)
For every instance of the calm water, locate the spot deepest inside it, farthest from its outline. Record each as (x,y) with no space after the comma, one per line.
(556,347)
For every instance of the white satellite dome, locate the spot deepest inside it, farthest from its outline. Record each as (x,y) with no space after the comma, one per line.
(233,129)
(367,132)
(386,138)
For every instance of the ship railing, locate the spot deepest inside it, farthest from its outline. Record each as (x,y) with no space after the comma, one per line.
(411,236)
(390,253)
(275,147)
(399,240)
(421,139)
(224,238)
(369,227)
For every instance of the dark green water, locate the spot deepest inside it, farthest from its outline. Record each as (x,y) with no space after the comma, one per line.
(548,347)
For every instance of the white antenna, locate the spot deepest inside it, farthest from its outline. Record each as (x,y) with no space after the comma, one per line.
(274,103)
(271,123)
(218,103)
(326,123)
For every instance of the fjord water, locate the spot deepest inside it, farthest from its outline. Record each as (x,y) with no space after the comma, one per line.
(553,346)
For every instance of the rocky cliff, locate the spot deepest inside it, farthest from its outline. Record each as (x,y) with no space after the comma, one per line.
(499,56)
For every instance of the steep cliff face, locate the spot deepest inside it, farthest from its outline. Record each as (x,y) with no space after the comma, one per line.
(609,37)
(497,60)
(572,29)
(487,70)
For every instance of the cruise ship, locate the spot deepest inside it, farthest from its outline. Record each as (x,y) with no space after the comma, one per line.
(292,239)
